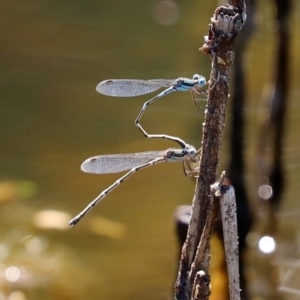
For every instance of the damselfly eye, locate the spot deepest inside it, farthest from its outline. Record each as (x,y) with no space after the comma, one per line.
(192,152)
(202,81)
(196,77)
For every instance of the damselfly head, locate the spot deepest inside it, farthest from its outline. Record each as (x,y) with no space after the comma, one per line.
(201,81)
(191,151)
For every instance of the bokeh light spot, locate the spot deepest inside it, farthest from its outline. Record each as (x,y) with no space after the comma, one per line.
(165,12)
(36,245)
(17,295)
(266,244)
(4,251)
(108,228)
(265,191)
(12,274)
(52,219)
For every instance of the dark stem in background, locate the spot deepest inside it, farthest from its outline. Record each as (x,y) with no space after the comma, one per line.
(223,30)
(236,167)
(278,101)
(270,158)
(272,132)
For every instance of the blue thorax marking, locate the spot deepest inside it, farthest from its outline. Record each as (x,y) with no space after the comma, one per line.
(185,85)
(174,154)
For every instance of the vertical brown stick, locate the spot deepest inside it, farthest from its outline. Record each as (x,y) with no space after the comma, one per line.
(225,25)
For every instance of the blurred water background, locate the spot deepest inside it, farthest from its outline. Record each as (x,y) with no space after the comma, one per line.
(52,56)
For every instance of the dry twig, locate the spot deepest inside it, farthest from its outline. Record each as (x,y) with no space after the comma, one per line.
(226,23)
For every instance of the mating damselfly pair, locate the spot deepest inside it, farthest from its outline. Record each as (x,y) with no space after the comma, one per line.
(114,163)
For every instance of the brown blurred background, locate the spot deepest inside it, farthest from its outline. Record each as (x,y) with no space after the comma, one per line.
(52,56)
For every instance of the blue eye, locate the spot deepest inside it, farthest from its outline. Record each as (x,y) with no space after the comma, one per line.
(192,152)
(199,79)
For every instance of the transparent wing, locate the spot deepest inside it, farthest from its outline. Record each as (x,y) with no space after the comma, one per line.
(114,163)
(163,82)
(130,87)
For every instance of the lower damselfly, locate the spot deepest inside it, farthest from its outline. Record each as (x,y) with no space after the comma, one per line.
(114,163)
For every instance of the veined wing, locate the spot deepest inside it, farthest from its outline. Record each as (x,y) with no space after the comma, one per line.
(163,82)
(114,163)
(130,87)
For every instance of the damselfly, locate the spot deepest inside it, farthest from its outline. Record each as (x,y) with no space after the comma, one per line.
(133,87)
(114,163)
